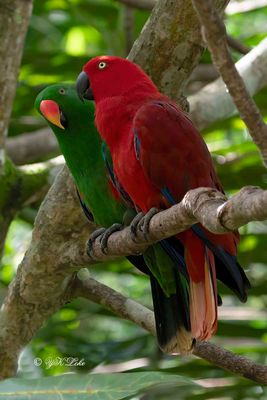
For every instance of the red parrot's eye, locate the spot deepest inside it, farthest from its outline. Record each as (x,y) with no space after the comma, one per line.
(102,65)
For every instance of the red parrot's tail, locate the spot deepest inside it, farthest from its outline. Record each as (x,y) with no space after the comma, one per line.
(210,257)
(203,288)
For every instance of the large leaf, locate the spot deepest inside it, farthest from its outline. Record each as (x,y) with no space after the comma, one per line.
(92,386)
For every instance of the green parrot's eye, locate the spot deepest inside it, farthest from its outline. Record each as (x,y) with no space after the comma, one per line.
(61,91)
(102,65)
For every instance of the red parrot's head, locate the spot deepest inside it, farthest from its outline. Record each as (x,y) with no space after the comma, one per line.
(109,76)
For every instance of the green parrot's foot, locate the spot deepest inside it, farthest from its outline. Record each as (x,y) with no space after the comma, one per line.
(92,239)
(145,221)
(106,234)
(134,225)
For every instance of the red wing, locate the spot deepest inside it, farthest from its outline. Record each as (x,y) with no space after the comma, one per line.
(171,150)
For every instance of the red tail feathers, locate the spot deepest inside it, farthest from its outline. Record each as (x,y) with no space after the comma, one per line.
(203,287)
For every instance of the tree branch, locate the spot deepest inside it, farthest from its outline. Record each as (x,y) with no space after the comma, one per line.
(252,68)
(204,205)
(215,35)
(14,20)
(30,147)
(131,310)
(237,45)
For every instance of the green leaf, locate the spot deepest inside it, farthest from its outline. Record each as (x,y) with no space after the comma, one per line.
(92,386)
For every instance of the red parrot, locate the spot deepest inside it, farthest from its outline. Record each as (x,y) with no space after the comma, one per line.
(158,155)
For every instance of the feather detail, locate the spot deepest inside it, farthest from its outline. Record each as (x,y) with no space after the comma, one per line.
(203,288)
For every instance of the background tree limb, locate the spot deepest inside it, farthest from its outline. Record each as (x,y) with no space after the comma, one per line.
(215,35)
(14,21)
(30,147)
(131,310)
(252,68)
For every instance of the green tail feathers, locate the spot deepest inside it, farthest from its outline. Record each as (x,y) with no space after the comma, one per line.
(170,294)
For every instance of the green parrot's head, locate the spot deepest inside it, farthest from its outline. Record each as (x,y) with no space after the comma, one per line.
(59,104)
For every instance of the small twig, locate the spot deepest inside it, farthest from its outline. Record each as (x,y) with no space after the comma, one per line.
(237,45)
(215,35)
(131,310)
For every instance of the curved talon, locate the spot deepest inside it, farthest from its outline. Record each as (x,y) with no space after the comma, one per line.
(92,239)
(106,234)
(135,224)
(145,221)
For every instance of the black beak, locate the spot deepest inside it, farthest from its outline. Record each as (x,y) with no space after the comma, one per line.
(83,87)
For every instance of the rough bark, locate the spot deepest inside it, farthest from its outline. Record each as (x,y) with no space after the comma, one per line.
(14,20)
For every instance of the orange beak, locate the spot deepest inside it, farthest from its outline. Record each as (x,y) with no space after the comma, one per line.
(51,112)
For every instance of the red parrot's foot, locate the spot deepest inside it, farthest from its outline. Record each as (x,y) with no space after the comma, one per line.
(144,223)
(141,222)
(134,225)
(92,239)
(104,234)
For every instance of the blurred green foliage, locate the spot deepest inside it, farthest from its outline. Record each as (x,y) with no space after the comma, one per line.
(63,34)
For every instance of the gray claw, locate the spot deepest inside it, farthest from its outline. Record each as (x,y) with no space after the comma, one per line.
(91,240)
(145,221)
(135,224)
(106,234)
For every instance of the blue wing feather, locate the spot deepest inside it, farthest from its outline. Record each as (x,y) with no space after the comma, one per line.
(86,210)
(126,198)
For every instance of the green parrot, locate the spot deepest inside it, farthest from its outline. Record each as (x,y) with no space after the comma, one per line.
(89,162)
